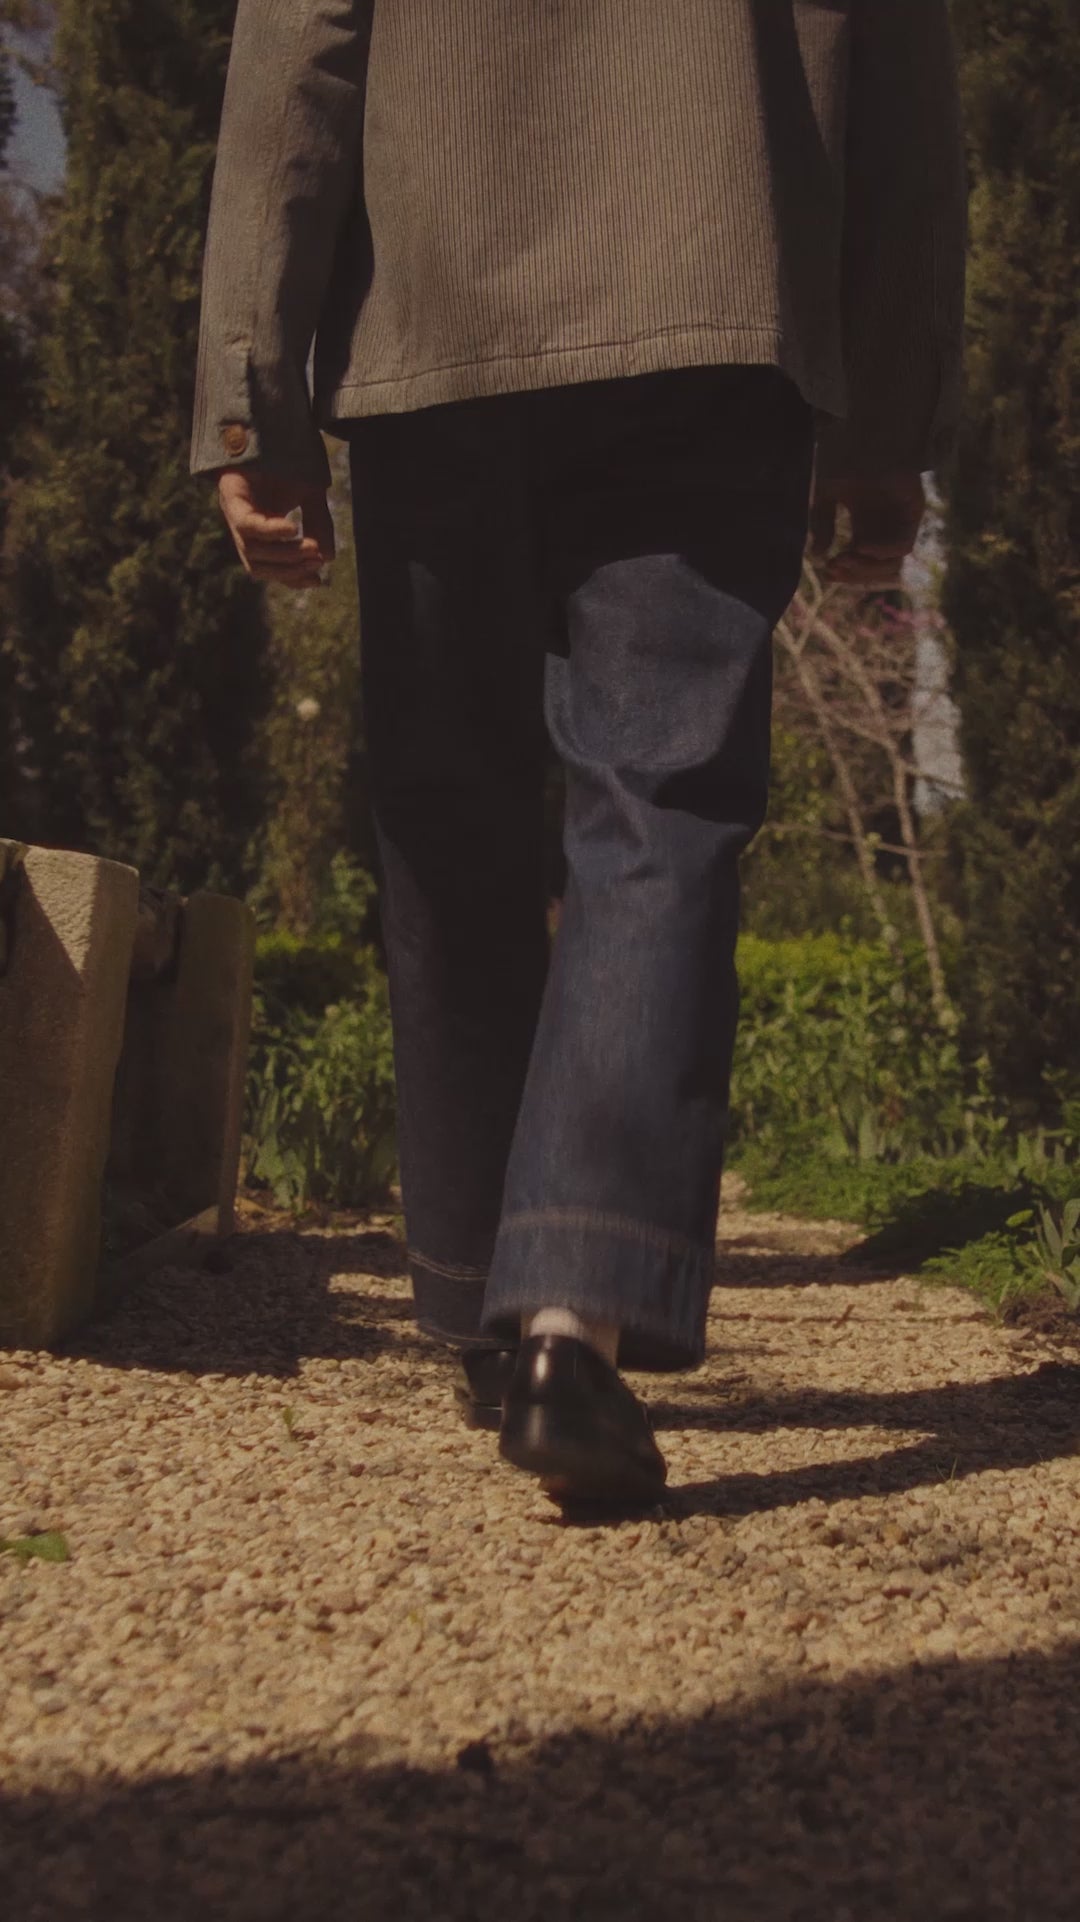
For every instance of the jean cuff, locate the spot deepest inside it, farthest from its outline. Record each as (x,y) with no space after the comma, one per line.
(448,1299)
(655,1285)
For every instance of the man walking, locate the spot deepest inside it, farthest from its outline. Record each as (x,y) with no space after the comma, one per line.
(587,280)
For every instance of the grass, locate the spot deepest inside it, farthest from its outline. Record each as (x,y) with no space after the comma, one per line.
(969,1222)
(1000,1268)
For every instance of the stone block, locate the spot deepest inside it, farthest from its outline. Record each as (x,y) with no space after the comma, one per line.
(69,928)
(179,1100)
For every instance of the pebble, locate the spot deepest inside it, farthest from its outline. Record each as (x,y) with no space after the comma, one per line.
(363,1665)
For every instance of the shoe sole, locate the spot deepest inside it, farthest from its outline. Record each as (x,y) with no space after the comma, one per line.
(574,1462)
(479,1414)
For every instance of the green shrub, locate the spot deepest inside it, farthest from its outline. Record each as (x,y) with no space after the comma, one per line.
(850,1101)
(1036,1250)
(822,1187)
(839,1054)
(1001,1267)
(1010,592)
(1057,1250)
(321,1109)
(295,976)
(320,1095)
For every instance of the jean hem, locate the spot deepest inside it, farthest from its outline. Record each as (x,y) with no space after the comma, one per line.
(448,1303)
(654,1283)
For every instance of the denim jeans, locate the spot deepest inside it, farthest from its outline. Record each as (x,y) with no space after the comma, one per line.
(594,570)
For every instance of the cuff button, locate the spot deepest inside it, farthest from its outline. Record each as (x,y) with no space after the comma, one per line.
(235,439)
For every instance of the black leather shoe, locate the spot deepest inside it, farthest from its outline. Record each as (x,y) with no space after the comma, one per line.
(568,1418)
(483,1377)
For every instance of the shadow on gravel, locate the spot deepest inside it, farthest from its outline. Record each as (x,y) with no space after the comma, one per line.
(965,1428)
(937,1220)
(742,1264)
(932,1794)
(277,1307)
(265,1303)
(272,1308)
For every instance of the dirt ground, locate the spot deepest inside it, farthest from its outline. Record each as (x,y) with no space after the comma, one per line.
(317,1652)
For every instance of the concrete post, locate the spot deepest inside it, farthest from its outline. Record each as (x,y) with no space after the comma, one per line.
(70,926)
(180,1086)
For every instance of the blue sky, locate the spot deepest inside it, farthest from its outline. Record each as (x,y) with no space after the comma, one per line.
(36,154)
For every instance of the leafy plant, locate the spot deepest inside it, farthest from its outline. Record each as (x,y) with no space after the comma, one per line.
(839,1053)
(851,1101)
(320,1107)
(46,1547)
(999,1267)
(1058,1249)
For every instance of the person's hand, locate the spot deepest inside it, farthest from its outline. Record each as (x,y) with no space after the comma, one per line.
(886,514)
(255,506)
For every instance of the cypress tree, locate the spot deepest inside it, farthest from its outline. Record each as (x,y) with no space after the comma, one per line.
(19,294)
(10,382)
(136,640)
(7,103)
(1012,593)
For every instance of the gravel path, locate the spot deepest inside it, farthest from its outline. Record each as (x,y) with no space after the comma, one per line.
(317,1654)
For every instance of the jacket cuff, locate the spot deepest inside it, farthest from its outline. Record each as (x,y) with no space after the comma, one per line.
(244,420)
(848,451)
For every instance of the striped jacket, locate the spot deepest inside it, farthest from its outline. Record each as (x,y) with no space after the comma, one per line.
(468,197)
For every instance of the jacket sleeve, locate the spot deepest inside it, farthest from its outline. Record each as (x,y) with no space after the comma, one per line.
(905,229)
(288,163)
